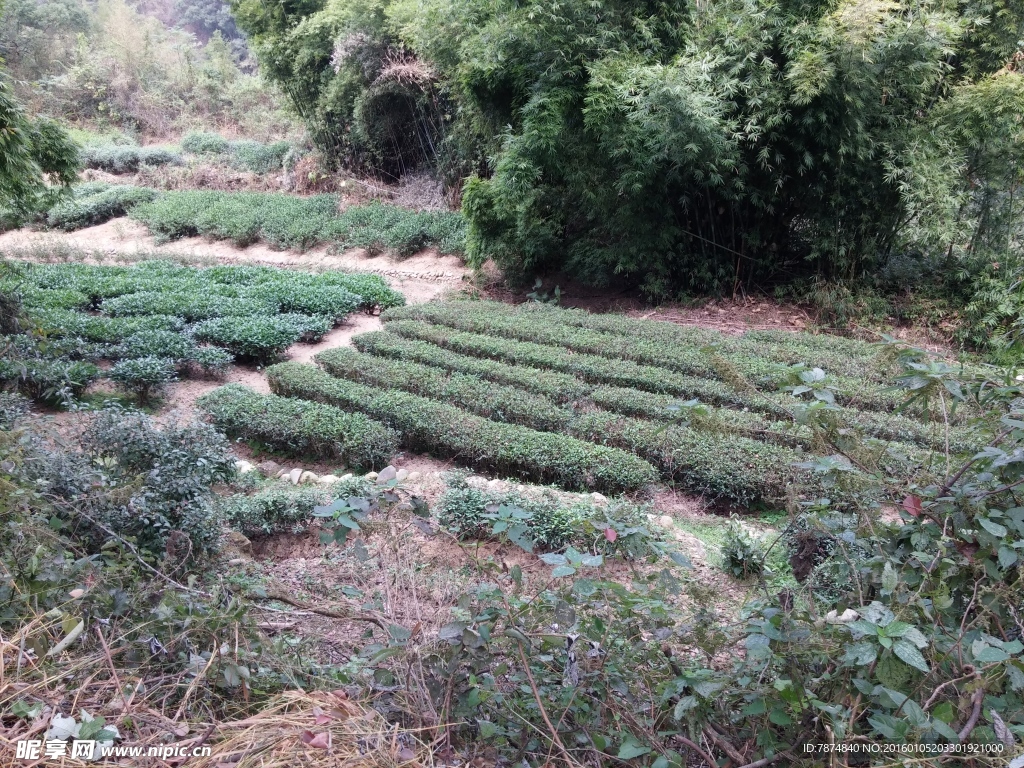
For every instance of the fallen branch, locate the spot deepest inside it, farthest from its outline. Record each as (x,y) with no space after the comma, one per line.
(347,616)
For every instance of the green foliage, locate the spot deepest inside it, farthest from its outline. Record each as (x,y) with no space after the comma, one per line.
(50,381)
(742,555)
(117,158)
(449,431)
(256,338)
(300,223)
(85,210)
(157,343)
(176,464)
(32,151)
(300,427)
(144,376)
(12,407)
(284,508)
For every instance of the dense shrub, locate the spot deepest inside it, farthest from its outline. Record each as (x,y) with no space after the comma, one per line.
(300,427)
(109,330)
(115,158)
(284,508)
(449,431)
(332,301)
(144,377)
(204,143)
(12,407)
(257,338)
(211,361)
(176,465)
(50,381)
(86,210)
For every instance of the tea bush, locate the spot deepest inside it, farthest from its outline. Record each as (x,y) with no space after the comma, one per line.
(204,143)
(190,306)
(12,407)
(300,223)
(170,345)
(50,381)
(258,158)
(284,508)
(300,427)
(115,158)
(211,361)
(145,377)
(256,338)
(449,431)
(88,209)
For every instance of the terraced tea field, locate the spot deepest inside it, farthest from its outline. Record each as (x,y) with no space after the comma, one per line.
(601,402)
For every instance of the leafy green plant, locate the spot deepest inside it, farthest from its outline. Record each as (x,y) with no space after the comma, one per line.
(283,508)
(742,555)
(145,377)
(300,427)
(447,430)
(257,338)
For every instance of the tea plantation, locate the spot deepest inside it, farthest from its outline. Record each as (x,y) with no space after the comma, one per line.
(157,320)
(614,404)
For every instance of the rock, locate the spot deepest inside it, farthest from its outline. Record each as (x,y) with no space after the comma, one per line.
(414,476)
(599,498)
(666,522)
(237,561)
(308,477)
(387,474)
(295,475)
(328,479)
(402,475)
(269,468)
(846,617)
(282,474)
(370,476)
(348,476)
(475,481)
(241,467)
(237,541)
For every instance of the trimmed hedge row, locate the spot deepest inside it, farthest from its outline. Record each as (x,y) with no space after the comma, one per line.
(685,357)
(718,463)
(326,289)
(87,208)
(286,221)
(479,396)
(105,330)
(118,158)
(591,368)
(845,356)
(483,444)
(518,406)
(300,427)
(560,387)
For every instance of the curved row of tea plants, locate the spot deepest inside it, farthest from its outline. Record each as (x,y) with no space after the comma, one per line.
(485,445)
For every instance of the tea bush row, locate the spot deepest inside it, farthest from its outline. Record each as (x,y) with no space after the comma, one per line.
(282,507)
(251,156)
(299,223)
(115,158)
(684,357)
(50,381)
(256,338)
(448,431)
(106,282)
(515,405)
(836,354)
(87,208)
(714,462)
(300,426)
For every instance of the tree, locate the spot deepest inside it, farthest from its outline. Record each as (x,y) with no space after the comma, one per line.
(38,160)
